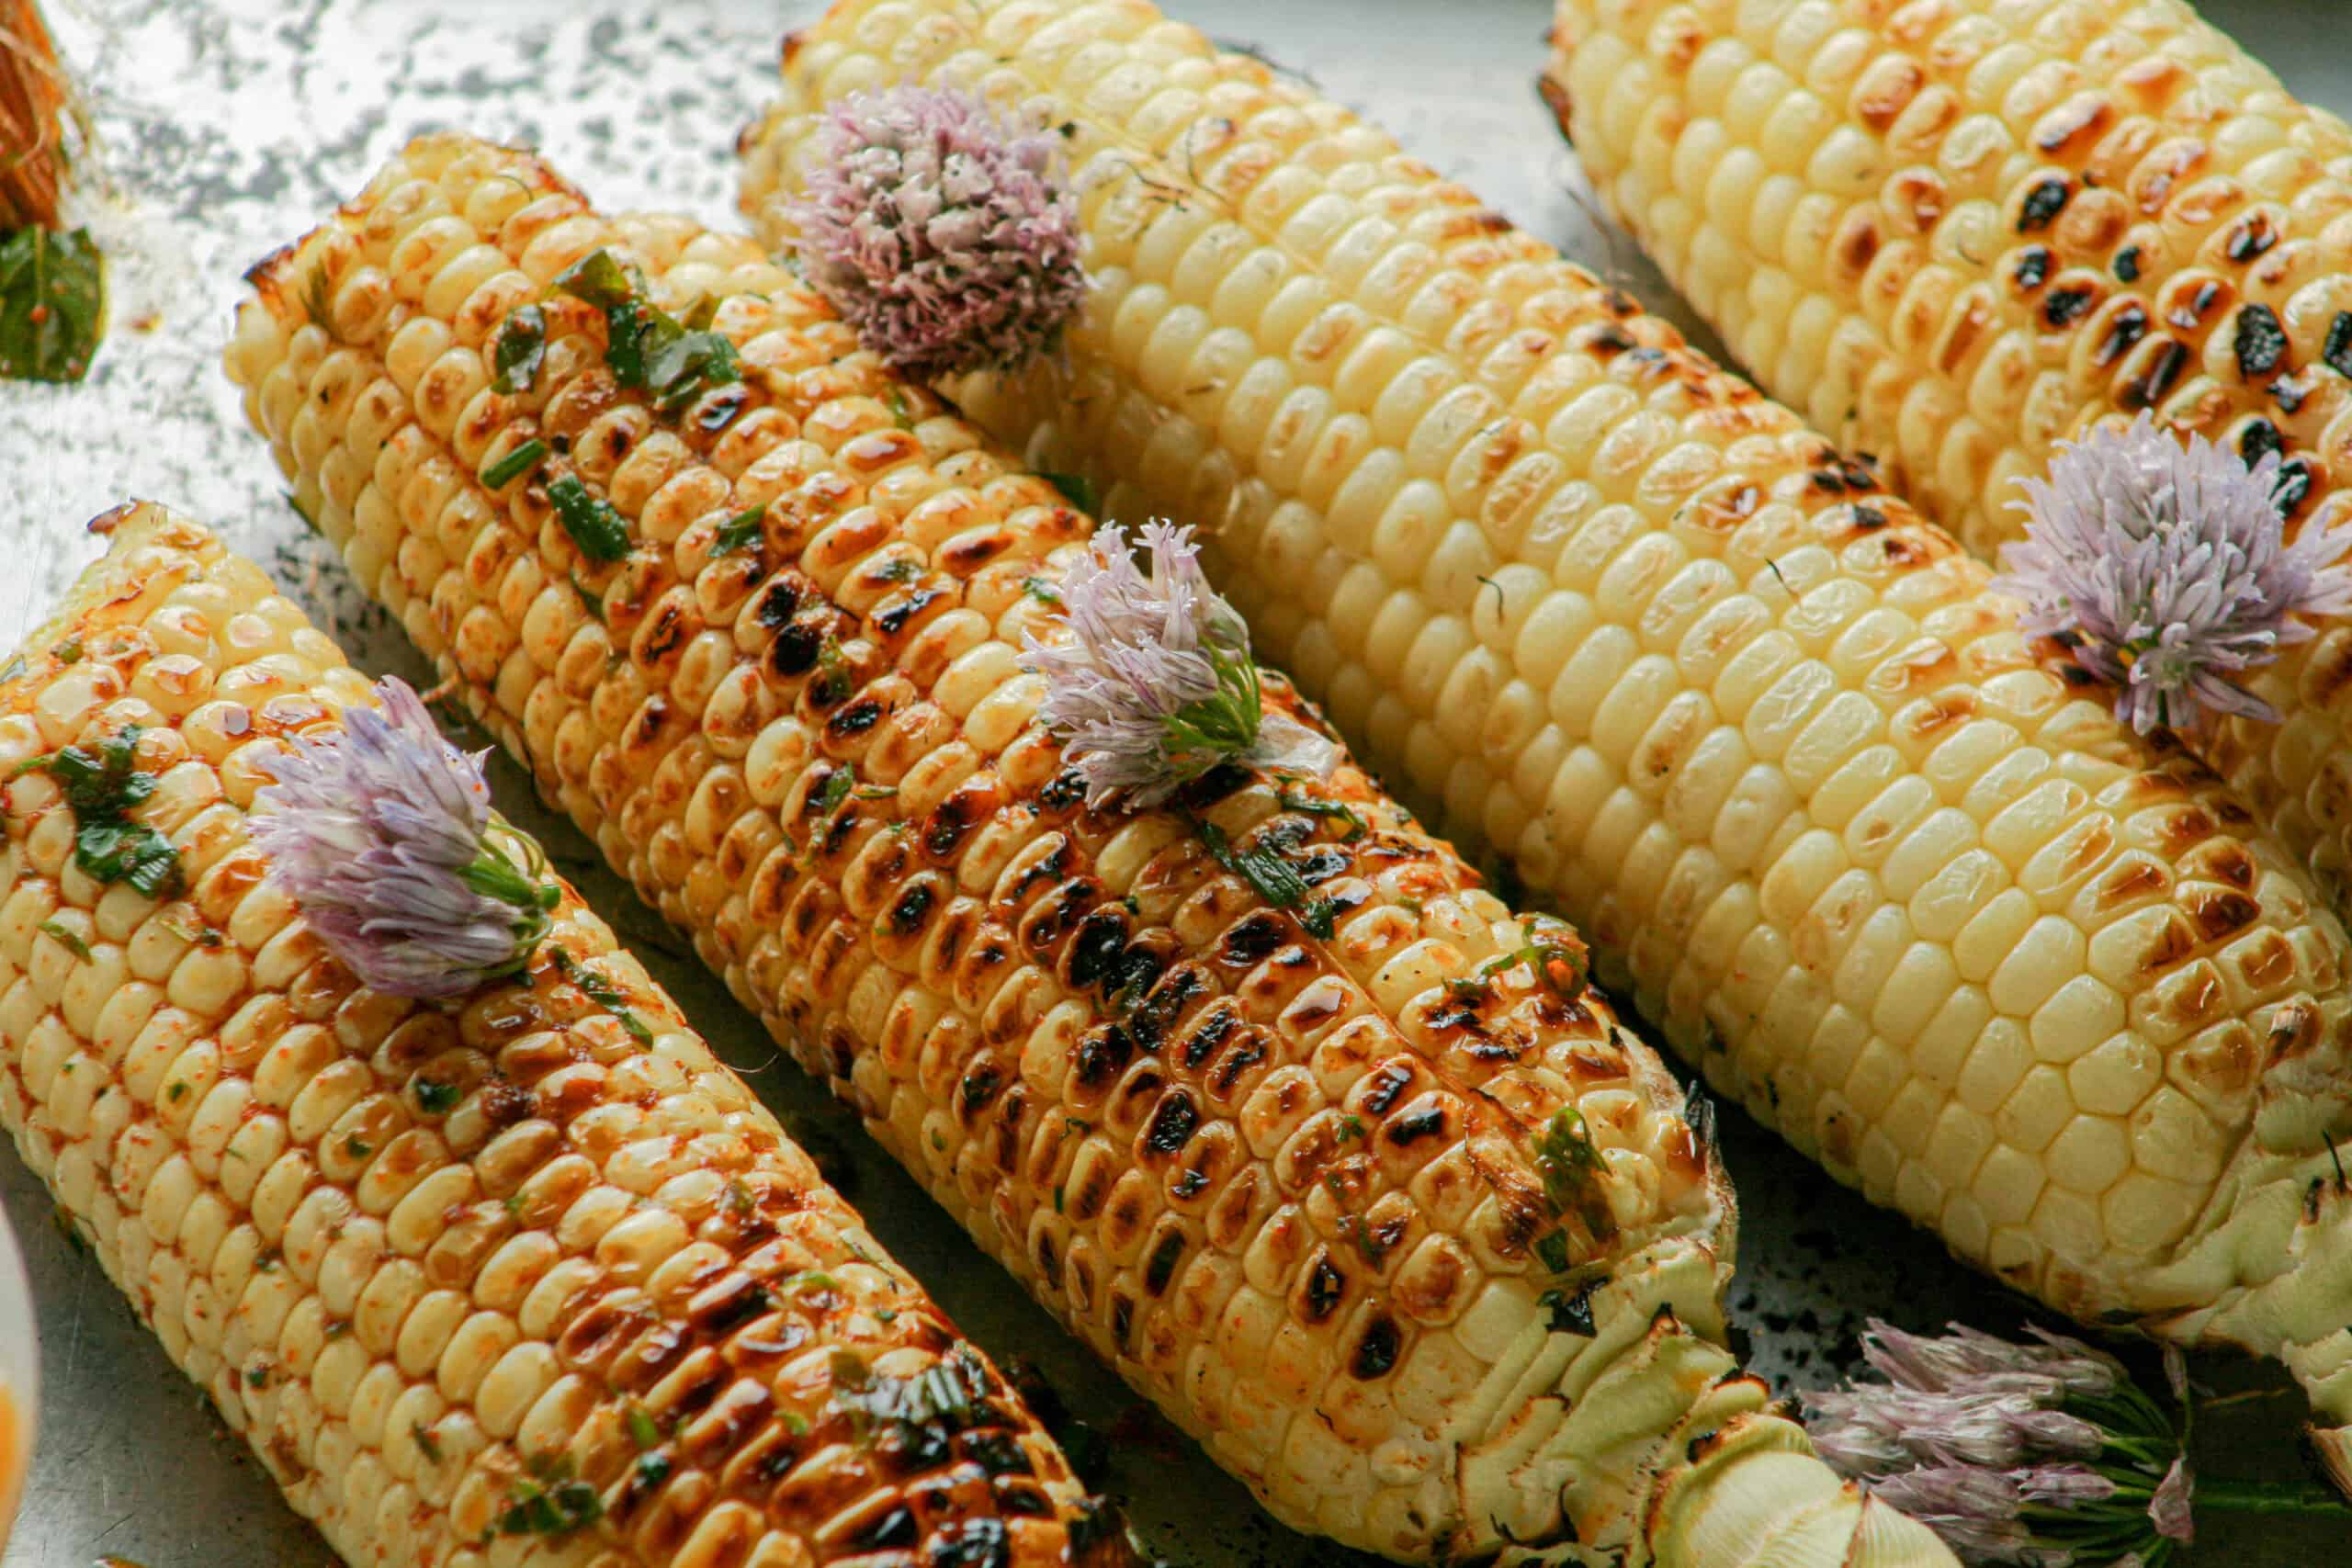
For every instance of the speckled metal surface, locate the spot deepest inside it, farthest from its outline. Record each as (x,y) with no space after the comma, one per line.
(227,126)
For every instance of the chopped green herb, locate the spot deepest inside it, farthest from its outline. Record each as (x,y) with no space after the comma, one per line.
(66,938)
(812,1280)
(1077,489)
(952,1394)
(552,1503)
(1551,1249)
(590,599)
(1552,952)
(53,304)
(601,991)
(1568,1314)
(641,1429)
(178,1092)
(318,301)
(357,1147)
(1568,1161)
(69,651)
(738,531)
(521,349)
(436,1098)
(902,570)
(648,349)
(836,681)
(679,371)
(1351,826)
(652,1470)
(102,788)
(426,1443)
(795,1423)
(900,414)
(1040,589)
(594,525)
(257,1375)
(1350,1129)
(515,463)
(837,786)
(1057,1198)
(1276,880)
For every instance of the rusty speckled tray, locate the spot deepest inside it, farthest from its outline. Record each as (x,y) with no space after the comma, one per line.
(230,124)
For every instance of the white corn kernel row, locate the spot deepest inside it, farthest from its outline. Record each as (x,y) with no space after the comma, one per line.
(432,1259)
(1284,1182)
(1957,233)
(1754,725)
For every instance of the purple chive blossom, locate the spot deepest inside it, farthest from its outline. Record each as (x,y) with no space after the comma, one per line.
(2165,564)
(945,234)
(383,833)
(2170,1506)
(1154,685)
(2044,1455)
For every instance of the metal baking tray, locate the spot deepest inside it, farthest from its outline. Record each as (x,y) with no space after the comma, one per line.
(229,125)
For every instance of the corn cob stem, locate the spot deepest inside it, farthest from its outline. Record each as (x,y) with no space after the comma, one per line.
(481,1283)
(1284,1182)
(1956,235)
(1753,724)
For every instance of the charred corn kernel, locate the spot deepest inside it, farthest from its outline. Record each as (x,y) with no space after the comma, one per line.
(1955,234)
(487,1281)
(1289,1184)
(1753,724)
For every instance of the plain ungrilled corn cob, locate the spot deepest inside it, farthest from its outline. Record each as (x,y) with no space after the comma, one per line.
(525,1277)
(1958,233)
(1752,722)
(1286,1170)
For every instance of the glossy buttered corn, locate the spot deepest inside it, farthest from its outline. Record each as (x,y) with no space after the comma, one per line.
(524,1277)
(1757,726)
(1957,233)
(1280,1163)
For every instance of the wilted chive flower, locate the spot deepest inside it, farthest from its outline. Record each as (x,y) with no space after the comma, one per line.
(945,234)
(1155,684)
(2167,563)
(2045,1455)
(383,833)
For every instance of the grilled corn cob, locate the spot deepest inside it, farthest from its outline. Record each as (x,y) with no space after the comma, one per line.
(486,1283)
(1956,233)
(1290,1185)
(1752,722)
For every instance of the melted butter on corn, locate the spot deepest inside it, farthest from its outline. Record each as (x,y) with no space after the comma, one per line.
(1755,726)
(1957,233)
(435,1261)
(1285,1184)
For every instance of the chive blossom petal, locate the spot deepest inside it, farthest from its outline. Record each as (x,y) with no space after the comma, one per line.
(383,833)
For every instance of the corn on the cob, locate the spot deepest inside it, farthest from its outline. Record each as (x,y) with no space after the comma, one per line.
(483,1282)
(1755,726)
(1955,233)
(1286,1183)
